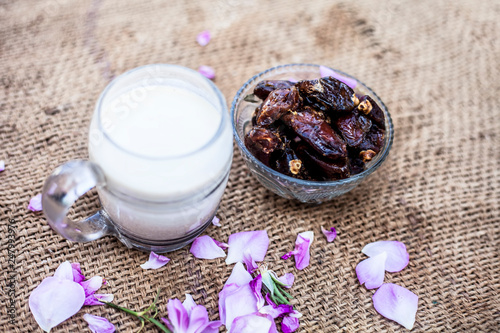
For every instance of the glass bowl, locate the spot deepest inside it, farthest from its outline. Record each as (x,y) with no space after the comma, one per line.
(289,187)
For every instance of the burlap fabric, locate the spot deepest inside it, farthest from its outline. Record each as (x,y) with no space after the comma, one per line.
(436,66)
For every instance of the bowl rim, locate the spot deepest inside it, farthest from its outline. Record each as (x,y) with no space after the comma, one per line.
(310,183)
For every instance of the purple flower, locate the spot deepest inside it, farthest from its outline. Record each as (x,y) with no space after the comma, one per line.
(98,324)
(205,247)
(330,234)
(155,261)
(203,38)
(248,247)
(207,72)
(35,204)
(301,251)
(396,303)
(325,71)
(188,317)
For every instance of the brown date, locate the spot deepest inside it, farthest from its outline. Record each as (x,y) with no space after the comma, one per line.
(288,163)
(262,142)
(371,109)
(327,94)
(374,140)
(264,88)
(279,102)
(353,128)
(323,169)
(310,126)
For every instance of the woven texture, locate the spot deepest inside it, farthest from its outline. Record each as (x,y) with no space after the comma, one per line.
(434,64)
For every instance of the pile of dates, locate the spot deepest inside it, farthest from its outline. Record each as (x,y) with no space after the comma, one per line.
(315,129)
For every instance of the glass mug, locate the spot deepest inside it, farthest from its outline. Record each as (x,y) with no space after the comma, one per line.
(160,151)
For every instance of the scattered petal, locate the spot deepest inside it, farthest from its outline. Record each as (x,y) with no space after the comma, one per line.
(35,204)
(199,322)
(77,272)
(249,262)
(98,324)
(97,299)
(287,279)
(177,315)
(397,256)
(396,303)
(189,304)
(55,300)
(207,72)
(256,285)
(223,246)
(2,166)
(274,310)
(205,247)
(64,271)
(216,221)
(301,252)
(290,324)
(236,301)
(203,38)
(90,286)
(255,242)
(371,271)
(239,276)
(155,261)
(253,323)
(325,71)
(330,234)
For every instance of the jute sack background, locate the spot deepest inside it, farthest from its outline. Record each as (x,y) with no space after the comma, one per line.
(436,66)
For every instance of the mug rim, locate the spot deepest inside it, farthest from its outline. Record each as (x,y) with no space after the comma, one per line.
(222,106)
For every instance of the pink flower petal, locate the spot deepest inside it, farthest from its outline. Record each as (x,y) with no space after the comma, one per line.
(97,299)
(203,38)
(290,324)
(189,304)
(98,324)
(207,72)
(249,262)
(325,71)
(274,310)
(216,222)
(90,286)
(223,246)
(35,204)
(256,285)
(255,242)
(253,323)
(77,272)
(301,252)
(205,247)
(239,276)
(397,256)
(287,279)
(155,261)
(64,271)
(396,303)
(236,301)
(177,315)
(2,166)
(200,323)
(330,234)
(371,271)
(55,300)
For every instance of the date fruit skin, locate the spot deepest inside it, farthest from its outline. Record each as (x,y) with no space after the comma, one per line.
(327,94)
(353,128)
(371,109)
(374,140)
(310,126)
(262,142)
(264,88)
(322,169)
(279,102)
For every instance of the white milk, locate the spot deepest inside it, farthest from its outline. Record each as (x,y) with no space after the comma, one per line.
(166,148)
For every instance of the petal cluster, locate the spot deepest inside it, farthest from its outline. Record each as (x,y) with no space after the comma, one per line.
(59,297)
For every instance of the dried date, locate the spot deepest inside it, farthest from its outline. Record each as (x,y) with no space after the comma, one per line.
(262,142)
(279,102)
(328,95)
(323,169)
(264,88)
(370,108)
(353,128)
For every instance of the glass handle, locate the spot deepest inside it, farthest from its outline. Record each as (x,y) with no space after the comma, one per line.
(62,188)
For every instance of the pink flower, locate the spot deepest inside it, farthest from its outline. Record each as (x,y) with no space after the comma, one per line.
(98,324)
(301,251)
(188,317)
(325,71)
(59,297)
(155,261)
(330,234)
(207,72)
(205,247)
(203,38)
(35,204)
(396,303)
(247,247)
(216,221)
(384,256)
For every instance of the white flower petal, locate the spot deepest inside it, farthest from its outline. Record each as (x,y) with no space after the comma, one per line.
(396,303)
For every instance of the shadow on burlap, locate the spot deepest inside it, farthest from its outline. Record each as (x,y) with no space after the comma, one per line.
(436,67)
